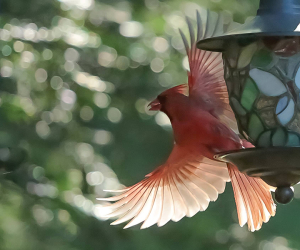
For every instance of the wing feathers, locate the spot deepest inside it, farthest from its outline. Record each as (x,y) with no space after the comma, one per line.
(208,189)
(206,76)
(185,42)
(201,197)
(145,210)
(215,180)
(180,208)
(167,205)
(199,27)
(187,197)
(130,202)
(156,208)
(182,187)
(191,30)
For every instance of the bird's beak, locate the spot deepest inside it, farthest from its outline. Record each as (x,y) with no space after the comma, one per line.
(154,105)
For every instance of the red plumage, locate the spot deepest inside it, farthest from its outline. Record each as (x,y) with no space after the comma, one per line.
(203,125)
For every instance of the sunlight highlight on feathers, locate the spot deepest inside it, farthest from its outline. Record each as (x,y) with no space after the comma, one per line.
(253,199)
(174,190)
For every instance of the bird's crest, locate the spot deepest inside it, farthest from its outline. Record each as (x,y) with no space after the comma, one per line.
(180,89)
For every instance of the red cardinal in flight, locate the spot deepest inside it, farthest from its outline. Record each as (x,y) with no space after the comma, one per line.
(203,125)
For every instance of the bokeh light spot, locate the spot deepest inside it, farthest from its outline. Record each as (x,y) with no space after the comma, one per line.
(94,178)
(86,113)
(18,46)
(114,115)
(102,100)
(162,119)
(160,44)
(47,117)
(71,55)
(103,137)
(85,152)
(41,214)
(138,54)
(63,216)
(56,82)
(157,65)
(6,50)
(38,173)
(165,79)
(41,75)
(122,63)
(42,129)
(107,57)
(141,105)
(47,54)
(131,29)
(6,71)
(68,99)
(27,57)
(69,66)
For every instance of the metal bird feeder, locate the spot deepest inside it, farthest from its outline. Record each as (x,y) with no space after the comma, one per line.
(262,73)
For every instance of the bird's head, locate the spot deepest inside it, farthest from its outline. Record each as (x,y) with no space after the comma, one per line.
(169,99)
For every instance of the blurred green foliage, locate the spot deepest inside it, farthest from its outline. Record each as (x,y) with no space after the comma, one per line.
(76,77)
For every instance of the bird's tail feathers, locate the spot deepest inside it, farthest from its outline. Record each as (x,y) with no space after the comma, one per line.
(253,199)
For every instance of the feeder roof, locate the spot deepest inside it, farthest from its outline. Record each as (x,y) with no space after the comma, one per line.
(275,18)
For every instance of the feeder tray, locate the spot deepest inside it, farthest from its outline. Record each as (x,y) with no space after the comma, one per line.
(277,166)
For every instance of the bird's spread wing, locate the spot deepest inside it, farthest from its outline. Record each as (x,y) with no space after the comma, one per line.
(253,199)
(205,79)
(206,75)
(183,186)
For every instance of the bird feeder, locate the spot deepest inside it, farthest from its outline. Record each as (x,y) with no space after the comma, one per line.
(262,73)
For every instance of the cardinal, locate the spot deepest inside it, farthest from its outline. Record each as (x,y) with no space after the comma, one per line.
(203,125)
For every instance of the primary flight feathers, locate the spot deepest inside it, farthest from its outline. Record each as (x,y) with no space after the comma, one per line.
(183,186)
(206,75)
(203,125)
